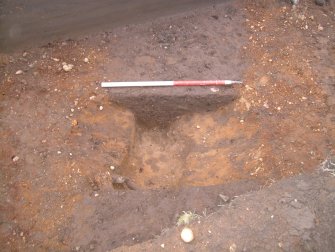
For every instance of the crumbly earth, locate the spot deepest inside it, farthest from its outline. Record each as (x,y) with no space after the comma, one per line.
(65,141)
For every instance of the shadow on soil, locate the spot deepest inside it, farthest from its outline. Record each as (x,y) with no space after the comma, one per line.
(161,106)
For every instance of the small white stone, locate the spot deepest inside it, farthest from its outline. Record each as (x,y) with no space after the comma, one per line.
(232,248)
(19,72)
(67,67)
(15,158)
(215,90)
(163,245)
(101,108)
(59,152)
(86,60)
(198,127)
(112,167)
(92,97)
(24,54)
(187,235)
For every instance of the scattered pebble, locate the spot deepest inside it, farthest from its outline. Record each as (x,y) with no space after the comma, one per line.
(24,54)
(67,67)
(96,194)
(59,152)
(232,248)
(187,235)
(320,27)
(74,123)
(15,158)
(224,198)
(92,97)
(215,90)
(112,167)
(19,72)
(101,108)
(198,127)
(86,60)
(163,245)
(55,59)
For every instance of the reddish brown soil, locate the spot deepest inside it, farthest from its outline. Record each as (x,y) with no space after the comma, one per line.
(72,137)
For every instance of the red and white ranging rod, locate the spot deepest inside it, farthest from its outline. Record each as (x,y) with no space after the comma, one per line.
(169,83)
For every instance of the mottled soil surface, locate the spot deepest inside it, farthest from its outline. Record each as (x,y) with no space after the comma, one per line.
(91,169)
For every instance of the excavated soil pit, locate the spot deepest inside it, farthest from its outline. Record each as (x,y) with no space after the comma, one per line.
(67,144)
(173,144)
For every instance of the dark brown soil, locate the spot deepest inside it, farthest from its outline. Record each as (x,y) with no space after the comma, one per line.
(160,107)
(85,168)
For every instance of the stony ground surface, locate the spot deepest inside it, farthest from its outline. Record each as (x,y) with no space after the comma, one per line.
(295,214)
(66,142)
